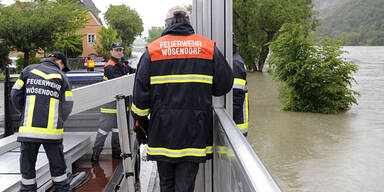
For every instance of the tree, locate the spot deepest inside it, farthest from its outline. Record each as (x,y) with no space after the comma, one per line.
(314,77)
(29,27)
(71,44)
(126,21)
(189,9)
(4,51)
(107,37)
(257,22)
(154,33)
(360,22)
(67,41)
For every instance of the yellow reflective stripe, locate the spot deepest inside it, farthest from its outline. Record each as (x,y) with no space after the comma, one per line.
(104,110)
(187,78)
(108,112)
(68,96)
(242,126)
(19,82)
(239,81)
(68,93)
(197,152)
(209,149)
(139,112)
(32,99)
(51,114)
(105,78)
(222,150)
(46,76)
(41,130)
(245,67)
(246,109)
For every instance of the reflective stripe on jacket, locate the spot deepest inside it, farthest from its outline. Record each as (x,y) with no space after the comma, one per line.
(240,94)
(176,78)
(43,96)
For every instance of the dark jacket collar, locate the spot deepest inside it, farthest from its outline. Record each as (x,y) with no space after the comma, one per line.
(179,29)
(50,63)
(114,59)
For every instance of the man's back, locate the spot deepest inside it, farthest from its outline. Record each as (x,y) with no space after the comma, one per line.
(176,79)
(43,99)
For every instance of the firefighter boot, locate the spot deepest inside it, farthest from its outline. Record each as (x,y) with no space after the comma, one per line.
(95,156)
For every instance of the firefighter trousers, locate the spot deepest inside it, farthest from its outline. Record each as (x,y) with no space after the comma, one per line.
(57,167)
(107,123)
(177,177)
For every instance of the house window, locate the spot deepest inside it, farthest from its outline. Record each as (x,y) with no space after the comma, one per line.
(91,38)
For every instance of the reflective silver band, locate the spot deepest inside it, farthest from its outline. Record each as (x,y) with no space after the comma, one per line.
(239,86)
(27,100)
(244,130)
(115,130)
(28,181)
(56,118)
(102,132)
(60,178)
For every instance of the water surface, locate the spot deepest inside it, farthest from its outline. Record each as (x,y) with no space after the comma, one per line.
(323,153)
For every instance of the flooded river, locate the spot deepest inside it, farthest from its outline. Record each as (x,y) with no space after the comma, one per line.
(323,153)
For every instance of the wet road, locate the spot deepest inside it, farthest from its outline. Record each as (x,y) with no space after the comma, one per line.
(323,153)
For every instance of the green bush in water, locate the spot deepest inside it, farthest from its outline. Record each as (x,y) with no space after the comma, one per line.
(314,77)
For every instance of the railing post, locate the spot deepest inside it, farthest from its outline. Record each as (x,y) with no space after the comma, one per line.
(7,111)
(126,144)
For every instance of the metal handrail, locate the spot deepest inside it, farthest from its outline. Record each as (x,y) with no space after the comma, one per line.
(258,175)
(100,93)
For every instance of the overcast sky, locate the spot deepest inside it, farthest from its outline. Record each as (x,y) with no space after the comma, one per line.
(152,12)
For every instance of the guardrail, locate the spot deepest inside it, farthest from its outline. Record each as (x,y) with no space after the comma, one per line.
(236,165)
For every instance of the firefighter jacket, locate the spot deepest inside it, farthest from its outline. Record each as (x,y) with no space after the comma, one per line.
(176,78)
(240,93)
(43,96)
(113,69)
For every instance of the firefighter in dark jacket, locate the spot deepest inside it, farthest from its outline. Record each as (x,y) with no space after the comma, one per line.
(240,92)
(116,67)
(176,78)
(43,96)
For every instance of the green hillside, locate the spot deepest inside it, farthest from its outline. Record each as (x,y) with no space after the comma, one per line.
(360,22)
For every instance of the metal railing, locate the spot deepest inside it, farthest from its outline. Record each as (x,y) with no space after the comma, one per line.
(235,166)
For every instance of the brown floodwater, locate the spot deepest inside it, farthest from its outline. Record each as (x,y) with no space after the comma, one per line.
(323,153)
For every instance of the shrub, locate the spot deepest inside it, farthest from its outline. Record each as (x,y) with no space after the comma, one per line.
(314,76)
